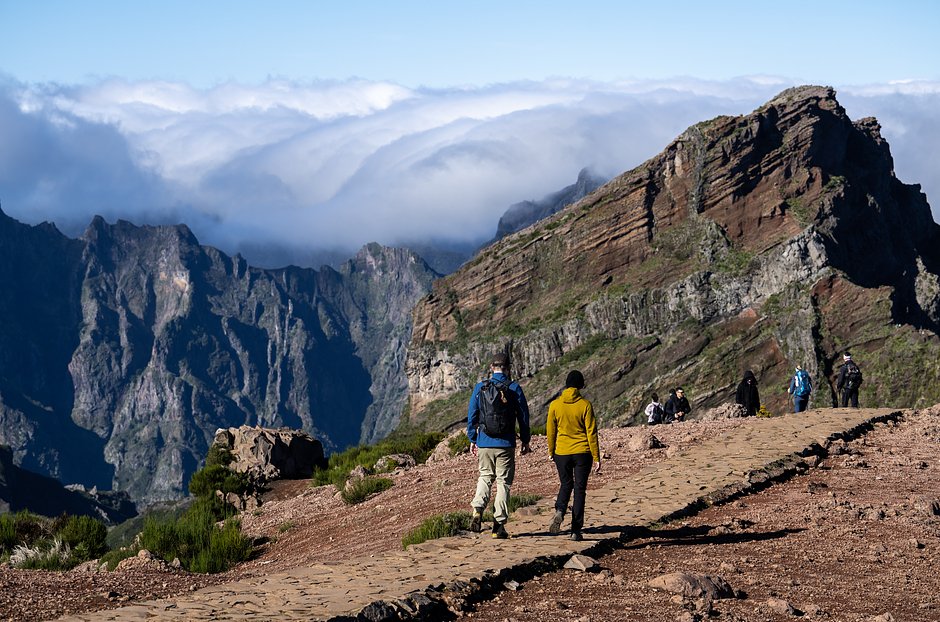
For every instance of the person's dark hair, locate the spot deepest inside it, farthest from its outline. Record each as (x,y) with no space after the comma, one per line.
(655,397)
(500,359)
(575,379)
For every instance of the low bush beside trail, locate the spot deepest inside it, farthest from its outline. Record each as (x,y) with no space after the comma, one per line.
(417,445)
(360,490)
(31,541)
(194,536)
(452,523)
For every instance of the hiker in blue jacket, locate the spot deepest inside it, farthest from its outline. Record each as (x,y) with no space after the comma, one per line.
(496,403)
(801,385)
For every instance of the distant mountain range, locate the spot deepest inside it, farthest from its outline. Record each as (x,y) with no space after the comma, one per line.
(123,351)
(755,242)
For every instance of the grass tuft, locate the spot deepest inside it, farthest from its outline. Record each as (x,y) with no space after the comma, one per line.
(362,489)
(452,523)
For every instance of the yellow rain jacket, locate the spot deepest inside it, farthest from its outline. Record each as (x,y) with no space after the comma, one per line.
(571,426)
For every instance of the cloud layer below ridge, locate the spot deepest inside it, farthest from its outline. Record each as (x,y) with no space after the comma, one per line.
(334,165)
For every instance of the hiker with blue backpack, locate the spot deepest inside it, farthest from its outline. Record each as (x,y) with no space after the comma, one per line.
(497,404)
(801,385)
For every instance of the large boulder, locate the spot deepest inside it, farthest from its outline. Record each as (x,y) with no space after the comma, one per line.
(267,454)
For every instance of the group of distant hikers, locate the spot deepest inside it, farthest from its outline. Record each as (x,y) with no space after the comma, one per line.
(498,405)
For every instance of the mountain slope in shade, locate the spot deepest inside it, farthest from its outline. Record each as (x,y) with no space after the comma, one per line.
(756,242)
(123,351)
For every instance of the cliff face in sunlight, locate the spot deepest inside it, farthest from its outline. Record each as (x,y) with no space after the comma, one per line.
(756,242)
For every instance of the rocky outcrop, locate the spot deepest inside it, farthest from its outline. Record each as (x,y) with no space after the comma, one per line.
(753,242)
(266,454)
(123,351)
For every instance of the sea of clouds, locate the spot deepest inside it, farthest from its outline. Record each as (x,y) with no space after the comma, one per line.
(331,166)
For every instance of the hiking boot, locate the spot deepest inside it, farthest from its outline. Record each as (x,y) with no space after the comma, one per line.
(555,527)
(499,531)
(576,536)
(475,521)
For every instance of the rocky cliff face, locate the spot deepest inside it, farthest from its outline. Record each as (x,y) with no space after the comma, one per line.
(753,242)
(122,352)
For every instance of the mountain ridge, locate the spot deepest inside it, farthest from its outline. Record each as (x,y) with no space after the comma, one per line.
(742,244)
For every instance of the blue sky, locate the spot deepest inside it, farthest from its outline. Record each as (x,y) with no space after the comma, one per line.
(313,125)
(441,44)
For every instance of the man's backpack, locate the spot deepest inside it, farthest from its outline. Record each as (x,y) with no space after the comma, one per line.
(853,376)
(498,407)
(803,384)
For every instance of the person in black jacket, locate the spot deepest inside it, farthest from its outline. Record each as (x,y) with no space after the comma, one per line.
(677,406)
(850,379)
(747,394)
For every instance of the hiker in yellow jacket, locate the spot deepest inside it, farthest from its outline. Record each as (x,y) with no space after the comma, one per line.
(572,444)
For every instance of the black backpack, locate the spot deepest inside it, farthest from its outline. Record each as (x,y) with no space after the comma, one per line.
(853,376)
(498,407)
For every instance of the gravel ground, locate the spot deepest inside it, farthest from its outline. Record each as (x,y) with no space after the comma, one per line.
(856,539)
(853,539)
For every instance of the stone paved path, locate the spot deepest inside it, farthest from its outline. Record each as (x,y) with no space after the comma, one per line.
(729,464)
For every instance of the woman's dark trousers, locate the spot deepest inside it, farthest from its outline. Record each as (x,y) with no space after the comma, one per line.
(573,472)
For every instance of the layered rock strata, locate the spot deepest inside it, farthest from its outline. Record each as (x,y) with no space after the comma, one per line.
(757,242)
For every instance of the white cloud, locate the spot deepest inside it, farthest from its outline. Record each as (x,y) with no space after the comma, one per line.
(336,165)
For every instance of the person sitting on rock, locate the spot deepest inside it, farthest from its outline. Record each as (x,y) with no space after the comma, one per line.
(654,411)
(677,406)
(747,394)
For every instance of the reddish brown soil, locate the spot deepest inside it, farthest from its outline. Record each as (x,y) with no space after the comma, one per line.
(853,539)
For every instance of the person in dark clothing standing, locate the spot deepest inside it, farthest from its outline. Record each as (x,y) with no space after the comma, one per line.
(850,379)
(747,394)
(677,406)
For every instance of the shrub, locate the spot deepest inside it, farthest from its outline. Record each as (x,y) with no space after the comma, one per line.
(360,490)
(125,534)
(86,536)
(31,527)
(520,501)
(43,555)
(35,542)
(763,412)
(212,477)
(417,445)
(219,456)
(7,532)
(438,526)
(452,523)
(458,444)
(194,538)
